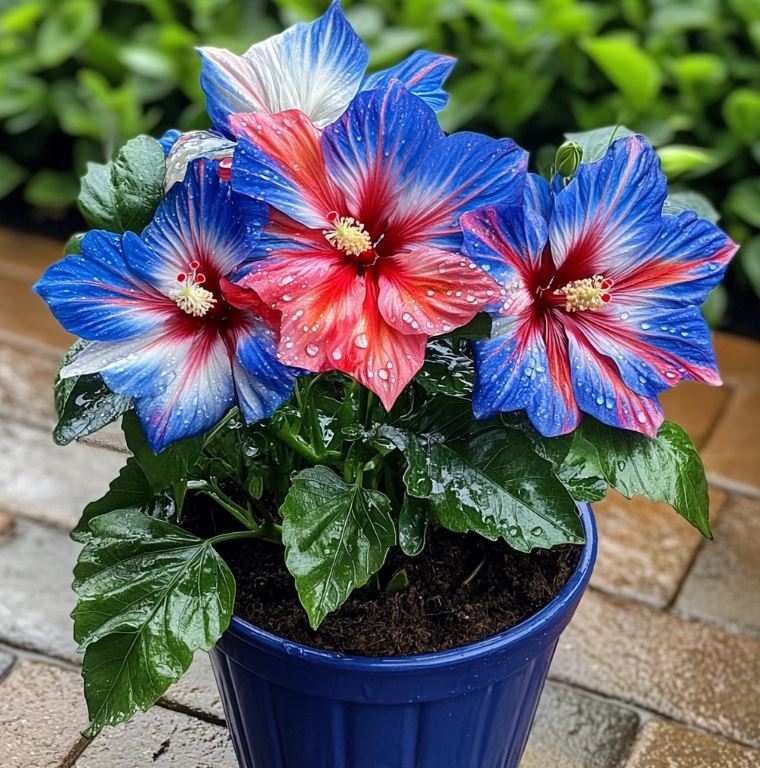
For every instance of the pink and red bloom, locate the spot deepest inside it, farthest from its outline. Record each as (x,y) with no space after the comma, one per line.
(602,295)
(166,326)
(363,249)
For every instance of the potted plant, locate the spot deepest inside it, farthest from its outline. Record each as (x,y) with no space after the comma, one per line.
(370,377)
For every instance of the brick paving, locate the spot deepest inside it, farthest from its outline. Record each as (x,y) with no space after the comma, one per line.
(659,669)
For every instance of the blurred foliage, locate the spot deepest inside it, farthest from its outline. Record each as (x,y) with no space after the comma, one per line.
(80,77)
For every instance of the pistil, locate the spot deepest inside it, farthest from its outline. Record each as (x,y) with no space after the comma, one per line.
(191,296)
(348,235)
(589,294)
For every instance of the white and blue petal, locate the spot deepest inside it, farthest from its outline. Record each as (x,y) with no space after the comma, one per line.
(315,67)
(423,73)
(202,220)
(95,295)
(189,147)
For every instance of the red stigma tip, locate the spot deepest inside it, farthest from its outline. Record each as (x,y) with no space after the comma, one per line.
(605,297)
(200,278)
(194,264)
(607,283)
(181,277)
(332,216)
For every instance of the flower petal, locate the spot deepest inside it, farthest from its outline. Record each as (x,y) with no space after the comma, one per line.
(609,212)
(507,242)
(521,367)
(401,174)
(191,146)
(652,347)
(97,297)
(423,73)
(601,392)
(202,220)
(425,290)
(279,160)
(316,68)
(320,299)
(680,266)
(262,382)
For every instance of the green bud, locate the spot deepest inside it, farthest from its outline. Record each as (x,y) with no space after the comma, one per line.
(568,158)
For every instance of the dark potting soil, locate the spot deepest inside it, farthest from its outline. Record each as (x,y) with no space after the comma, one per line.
(462,588)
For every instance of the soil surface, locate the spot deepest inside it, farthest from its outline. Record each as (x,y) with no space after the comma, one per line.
(462,588)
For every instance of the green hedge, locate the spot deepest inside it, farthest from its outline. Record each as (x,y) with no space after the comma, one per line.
(79,77)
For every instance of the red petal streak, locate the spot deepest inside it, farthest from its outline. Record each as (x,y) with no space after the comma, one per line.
(294,142)
(320,299)
(555,342)
(248,299)
(431,291)
(379,356)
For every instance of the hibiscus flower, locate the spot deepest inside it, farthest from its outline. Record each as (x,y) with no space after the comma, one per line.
(363,247)
(602,294)
(316,68)
(165,325)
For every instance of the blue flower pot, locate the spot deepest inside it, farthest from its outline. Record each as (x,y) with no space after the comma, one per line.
(290,706)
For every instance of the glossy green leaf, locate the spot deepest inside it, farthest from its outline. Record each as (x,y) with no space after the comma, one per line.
(84,403)
(447,370)
(123,195)
(336,537)
(150,595)
(487,478)
(594,144)
(628,66)
(666,468)
(412,525)
(678,159)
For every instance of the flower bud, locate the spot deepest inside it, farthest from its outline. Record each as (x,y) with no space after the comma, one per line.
(568,158)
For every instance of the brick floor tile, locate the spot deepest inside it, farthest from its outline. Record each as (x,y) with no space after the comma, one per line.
(695,673)
(35,589)
(24,315)
(724,584)
(26,385)
(163,739)
(662,745)
(738,361)
(732,453)
(694,406)
(645,549)
(44,481)
(575,730)
(196,690)
(6,662)
(41,714)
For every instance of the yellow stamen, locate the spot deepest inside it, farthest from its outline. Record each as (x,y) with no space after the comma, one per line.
(587,295)
(348,236)
(193,299)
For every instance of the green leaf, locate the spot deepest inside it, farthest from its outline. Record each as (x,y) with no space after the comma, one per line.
(678,202)
(630,69)
(714,308)
(123,195)
(150,595)
(741,111)
(51,189)
(594,144)
(666,468)
(677,159)
(130,490)
(84,403)
(336,537)
(749,258)
(484,477)
(447,370)
(744,200)
(164,469)
(412,525)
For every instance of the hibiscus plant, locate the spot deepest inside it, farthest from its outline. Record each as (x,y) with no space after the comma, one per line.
(343,327)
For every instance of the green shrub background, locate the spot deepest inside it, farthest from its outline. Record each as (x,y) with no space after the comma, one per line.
(79,77)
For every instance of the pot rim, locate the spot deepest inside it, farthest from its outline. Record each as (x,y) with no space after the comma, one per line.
(531,627)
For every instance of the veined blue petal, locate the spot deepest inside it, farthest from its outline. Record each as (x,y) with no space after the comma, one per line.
(315,67)
(516,371)
(538,196)
(201,220)
(262,382)
(423,73)
(610,211)
(169,139)
(97,296)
